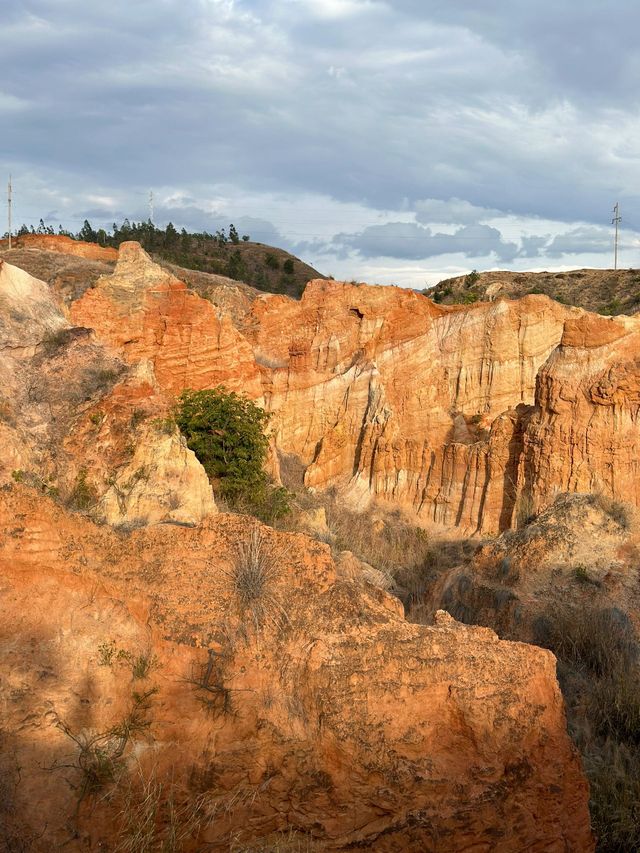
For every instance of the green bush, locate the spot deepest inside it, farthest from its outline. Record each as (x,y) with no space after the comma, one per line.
(227,433)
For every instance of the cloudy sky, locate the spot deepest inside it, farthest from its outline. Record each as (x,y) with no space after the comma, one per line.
(399,141)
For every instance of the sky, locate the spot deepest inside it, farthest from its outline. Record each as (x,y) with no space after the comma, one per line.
(390,142)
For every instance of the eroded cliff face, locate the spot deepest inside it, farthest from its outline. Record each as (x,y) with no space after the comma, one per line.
(459,414)
(320,710)
(385,394)
(462,415)
(584,434)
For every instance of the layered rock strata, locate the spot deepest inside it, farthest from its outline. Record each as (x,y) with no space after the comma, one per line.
(460,414)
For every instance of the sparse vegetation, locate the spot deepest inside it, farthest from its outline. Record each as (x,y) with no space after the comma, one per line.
(99,759)
(225,252)
(582,576)
(597,652)
(53,342)
(609,292)
(525,511)
(142,664)
(153,818)
(165,426)
(137,416)
(615,509)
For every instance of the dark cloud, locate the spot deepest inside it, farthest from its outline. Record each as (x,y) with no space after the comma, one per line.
(578,241)
(458,112)
(410,241)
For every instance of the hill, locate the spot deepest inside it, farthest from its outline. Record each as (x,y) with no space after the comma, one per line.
(607,292)
(264,267)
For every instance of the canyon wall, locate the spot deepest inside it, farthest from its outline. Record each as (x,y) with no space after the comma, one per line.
(466,416)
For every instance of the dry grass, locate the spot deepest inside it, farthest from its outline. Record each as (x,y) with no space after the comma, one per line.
(616,510)
(598,670)
(280,842)
(595,639)
(613,769)
(385,541)
(253,577)
(153,820)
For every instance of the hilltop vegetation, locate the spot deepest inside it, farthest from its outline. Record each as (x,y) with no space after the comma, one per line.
(229,254)
(607,292)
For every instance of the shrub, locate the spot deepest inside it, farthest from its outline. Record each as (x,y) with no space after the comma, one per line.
(83,496)
(227,433)
(582,575)
(53,342)
(525,510)
(99,760)
(471,279)
(616,510)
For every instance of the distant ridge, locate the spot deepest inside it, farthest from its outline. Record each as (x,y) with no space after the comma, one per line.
(606,292)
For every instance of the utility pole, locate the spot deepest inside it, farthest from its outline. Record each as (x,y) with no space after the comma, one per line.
(9,202)
(616,219)
(151,206)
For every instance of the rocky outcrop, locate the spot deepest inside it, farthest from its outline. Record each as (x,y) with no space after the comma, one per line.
(317,709)
(587,412)
(29,313)
(144,313)
(463,415)
(578,554)
(163,482)
(77,423)
(389,396)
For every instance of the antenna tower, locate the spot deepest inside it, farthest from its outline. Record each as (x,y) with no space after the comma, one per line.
(9,203)
(616,219)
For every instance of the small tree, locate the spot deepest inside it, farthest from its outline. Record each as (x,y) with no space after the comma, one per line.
(227,433)
(471,278)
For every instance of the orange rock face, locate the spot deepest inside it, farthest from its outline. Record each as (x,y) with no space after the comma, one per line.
(382,392)
(587,408)
(64,245)
(459,414)
(147,314)
(321,710)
